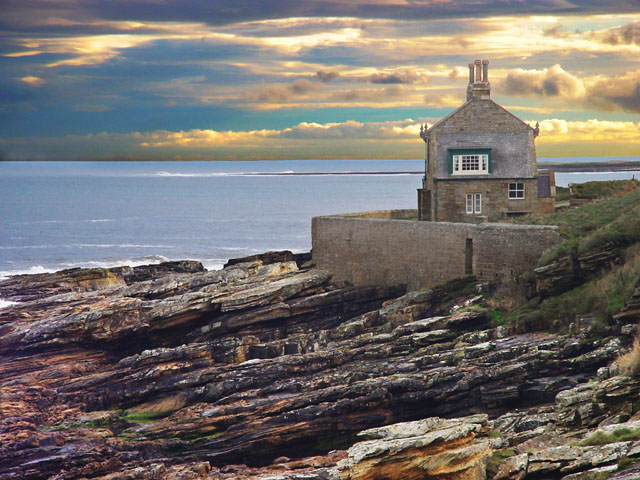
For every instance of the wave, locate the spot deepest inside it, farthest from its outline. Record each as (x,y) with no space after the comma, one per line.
(124,262)
(116,245)
(6,303)
(28,271)
(89,220)
(85,245)
(131,262)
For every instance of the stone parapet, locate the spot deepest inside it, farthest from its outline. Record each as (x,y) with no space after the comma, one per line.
(423,254)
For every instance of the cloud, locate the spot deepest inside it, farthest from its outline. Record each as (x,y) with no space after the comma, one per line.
(617,92)
(439,100)
(628,34)
(457,72)
(369,94)
(547,82)
(350,139)
(600,92)
(327,75)
(224,12)
(402,76)
(91,108)
(558,130)
(33,81)
(280,93)
(555,31)
(561,138)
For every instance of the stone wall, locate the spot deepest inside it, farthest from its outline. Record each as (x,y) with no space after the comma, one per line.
(450,197)
(423,254)
(399,214)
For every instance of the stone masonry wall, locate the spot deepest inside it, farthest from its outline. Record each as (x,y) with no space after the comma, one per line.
(512,154)
(451,199)
(423,254)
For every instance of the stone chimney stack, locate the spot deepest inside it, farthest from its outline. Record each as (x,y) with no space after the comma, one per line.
(479,86)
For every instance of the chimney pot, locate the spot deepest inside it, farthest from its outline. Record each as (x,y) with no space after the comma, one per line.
(485,70)
(478,65)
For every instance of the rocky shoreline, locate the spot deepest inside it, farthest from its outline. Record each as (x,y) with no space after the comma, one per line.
(268,369)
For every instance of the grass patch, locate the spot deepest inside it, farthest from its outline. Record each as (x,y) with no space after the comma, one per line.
(458,286)
(497,317)
(629,362)
(562,194)
(603,189)
(497,458)
(144,417)
(619,435)
(625,462)
(601,297)
(614,218)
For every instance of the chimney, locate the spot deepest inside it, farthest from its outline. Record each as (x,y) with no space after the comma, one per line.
(479,86)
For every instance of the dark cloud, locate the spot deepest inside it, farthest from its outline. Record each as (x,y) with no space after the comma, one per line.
(551,82)
(621,92)
(280,93)
(327,75)
(292,27)
(555,31)
(628,34)
(365,94)
(404,76)
(224,12)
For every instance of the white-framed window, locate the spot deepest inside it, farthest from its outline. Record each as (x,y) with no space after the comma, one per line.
(516,191)
(471,164)
(474,203)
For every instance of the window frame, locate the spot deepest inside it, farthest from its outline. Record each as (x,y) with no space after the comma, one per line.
(515,190)
(473,205)
(456,161)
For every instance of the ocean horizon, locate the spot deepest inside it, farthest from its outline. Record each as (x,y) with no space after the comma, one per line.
(59,215)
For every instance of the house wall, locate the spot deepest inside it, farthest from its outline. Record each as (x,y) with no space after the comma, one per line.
(512,154)
(480,124)
(450,197)
(423,254)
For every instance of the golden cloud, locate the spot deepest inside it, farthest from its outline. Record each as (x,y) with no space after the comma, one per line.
(33,81)
(350,139)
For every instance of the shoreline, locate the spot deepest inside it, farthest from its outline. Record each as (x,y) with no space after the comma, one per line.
(590,166)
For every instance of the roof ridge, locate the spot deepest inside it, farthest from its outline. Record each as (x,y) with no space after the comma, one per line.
(444,119)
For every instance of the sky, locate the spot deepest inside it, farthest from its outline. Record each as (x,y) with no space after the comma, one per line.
(298,79)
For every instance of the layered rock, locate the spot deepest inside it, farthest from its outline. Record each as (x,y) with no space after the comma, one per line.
(568,272)
(184,374)
(429,448)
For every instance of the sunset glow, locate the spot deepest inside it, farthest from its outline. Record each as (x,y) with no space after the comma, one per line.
(321,79)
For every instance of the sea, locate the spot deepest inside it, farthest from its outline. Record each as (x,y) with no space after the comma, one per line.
(58,215)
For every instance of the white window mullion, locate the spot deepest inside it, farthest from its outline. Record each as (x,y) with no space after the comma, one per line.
(472,164)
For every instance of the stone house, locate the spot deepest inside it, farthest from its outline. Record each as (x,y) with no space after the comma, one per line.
(480,162)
